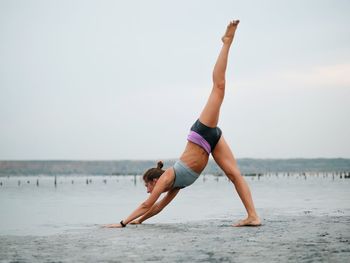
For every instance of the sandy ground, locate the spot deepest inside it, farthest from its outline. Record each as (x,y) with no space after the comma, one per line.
(282,238)
(304,220)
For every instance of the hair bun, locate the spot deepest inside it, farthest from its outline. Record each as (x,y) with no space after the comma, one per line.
(160,165)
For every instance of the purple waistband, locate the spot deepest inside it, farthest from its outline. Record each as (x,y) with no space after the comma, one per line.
(198,139)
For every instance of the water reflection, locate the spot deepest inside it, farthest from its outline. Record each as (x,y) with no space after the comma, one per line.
(77,179)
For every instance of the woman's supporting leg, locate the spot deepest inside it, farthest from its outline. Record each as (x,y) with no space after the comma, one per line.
(211,111)
(224,158)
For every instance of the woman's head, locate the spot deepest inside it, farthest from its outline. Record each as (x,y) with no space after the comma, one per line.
(151,176)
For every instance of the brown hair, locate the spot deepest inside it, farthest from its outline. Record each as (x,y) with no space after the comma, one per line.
(153,173)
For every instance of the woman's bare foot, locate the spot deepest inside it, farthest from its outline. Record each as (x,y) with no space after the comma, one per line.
(249,221)
(230,32)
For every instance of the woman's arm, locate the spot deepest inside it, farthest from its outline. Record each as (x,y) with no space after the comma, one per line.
(164,182)
(159,206)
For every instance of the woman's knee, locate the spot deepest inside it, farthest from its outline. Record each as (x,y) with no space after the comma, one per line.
(218,92)
(234,175)
(219,84)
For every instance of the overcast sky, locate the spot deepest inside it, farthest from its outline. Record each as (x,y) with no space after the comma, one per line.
(93,80)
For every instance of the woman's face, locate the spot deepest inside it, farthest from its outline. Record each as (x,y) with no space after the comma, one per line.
(150,185)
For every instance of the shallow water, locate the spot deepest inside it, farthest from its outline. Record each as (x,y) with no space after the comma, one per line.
(304,219)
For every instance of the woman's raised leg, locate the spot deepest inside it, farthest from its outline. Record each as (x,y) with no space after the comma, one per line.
(211,111)
(210,116)
(224,158)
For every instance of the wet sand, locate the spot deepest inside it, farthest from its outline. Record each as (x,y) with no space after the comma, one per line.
(304,220)
(282,238)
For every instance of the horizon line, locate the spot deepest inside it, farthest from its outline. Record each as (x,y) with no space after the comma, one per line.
(168,159)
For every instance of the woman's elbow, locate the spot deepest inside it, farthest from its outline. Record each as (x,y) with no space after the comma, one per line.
(159,209)
(146,205)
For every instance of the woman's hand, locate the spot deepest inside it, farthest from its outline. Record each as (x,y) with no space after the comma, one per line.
(113,226)
(135,222)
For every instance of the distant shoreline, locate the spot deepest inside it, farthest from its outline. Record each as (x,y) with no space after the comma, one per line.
(136,167)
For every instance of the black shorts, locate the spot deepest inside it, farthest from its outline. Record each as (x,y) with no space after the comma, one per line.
(211,135)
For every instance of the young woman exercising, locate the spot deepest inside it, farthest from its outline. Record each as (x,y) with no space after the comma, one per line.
(204,138)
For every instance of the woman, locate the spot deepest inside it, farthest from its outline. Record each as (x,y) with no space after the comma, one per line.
(204,138)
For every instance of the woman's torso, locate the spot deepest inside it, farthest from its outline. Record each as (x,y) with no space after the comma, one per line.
(195,157)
